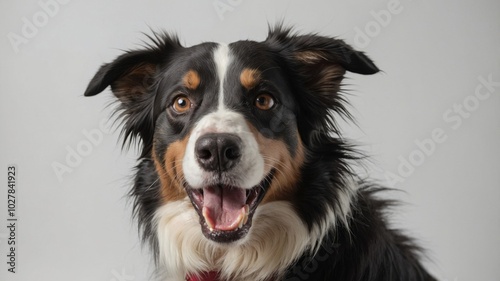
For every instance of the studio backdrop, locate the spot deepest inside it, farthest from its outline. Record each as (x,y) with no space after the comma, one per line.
(429,123)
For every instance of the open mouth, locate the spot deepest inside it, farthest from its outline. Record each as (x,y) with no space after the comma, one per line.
(226,212)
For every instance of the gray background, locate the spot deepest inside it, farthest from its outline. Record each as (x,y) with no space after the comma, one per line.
(433,53)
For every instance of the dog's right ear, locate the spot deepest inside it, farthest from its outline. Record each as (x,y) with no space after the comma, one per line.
(131,77)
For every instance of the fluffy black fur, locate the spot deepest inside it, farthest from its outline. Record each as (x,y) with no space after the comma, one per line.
(367,250)
(364,249)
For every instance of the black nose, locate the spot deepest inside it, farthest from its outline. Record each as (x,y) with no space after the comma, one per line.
(218,152)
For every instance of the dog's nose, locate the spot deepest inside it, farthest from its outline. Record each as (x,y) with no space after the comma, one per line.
(218,151)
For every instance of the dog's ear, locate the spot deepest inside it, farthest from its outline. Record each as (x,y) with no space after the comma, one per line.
(131,74)
(319,52)
(131,77)
(320,61)
(316,66)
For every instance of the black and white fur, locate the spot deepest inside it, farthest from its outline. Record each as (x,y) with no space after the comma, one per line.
(326,225)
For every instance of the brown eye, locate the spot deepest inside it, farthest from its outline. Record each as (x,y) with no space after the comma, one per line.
(182,104)
(264,102)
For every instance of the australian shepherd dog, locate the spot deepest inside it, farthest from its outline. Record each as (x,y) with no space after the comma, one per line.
(243,174)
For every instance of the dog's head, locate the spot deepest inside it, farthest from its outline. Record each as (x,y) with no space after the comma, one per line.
(230,126)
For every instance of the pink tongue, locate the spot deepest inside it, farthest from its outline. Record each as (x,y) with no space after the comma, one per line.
(223,206)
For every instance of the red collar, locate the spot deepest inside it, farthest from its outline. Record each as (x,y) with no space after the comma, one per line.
(206,276)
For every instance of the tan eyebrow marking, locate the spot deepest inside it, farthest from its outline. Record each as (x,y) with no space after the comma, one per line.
(191,80)
(249,78)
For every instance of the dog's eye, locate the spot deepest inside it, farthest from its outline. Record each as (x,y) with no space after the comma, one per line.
(264,102)
(182,104)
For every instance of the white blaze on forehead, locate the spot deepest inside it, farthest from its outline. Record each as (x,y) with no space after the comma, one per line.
(250,169)
(222,60)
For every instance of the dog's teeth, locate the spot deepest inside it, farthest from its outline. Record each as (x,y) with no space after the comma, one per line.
(247,211)
(243,217)
(207,220)
(240,225)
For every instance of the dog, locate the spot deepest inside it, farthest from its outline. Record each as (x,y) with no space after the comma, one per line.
(243,173)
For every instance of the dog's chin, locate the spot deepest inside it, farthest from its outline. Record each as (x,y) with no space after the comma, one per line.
(226,212)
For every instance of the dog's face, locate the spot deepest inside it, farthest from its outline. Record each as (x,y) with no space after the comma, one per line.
(211,141)
(228,126)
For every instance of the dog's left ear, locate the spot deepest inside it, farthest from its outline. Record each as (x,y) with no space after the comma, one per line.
(316,66)
(319,52)
(315,49)
(320,61)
